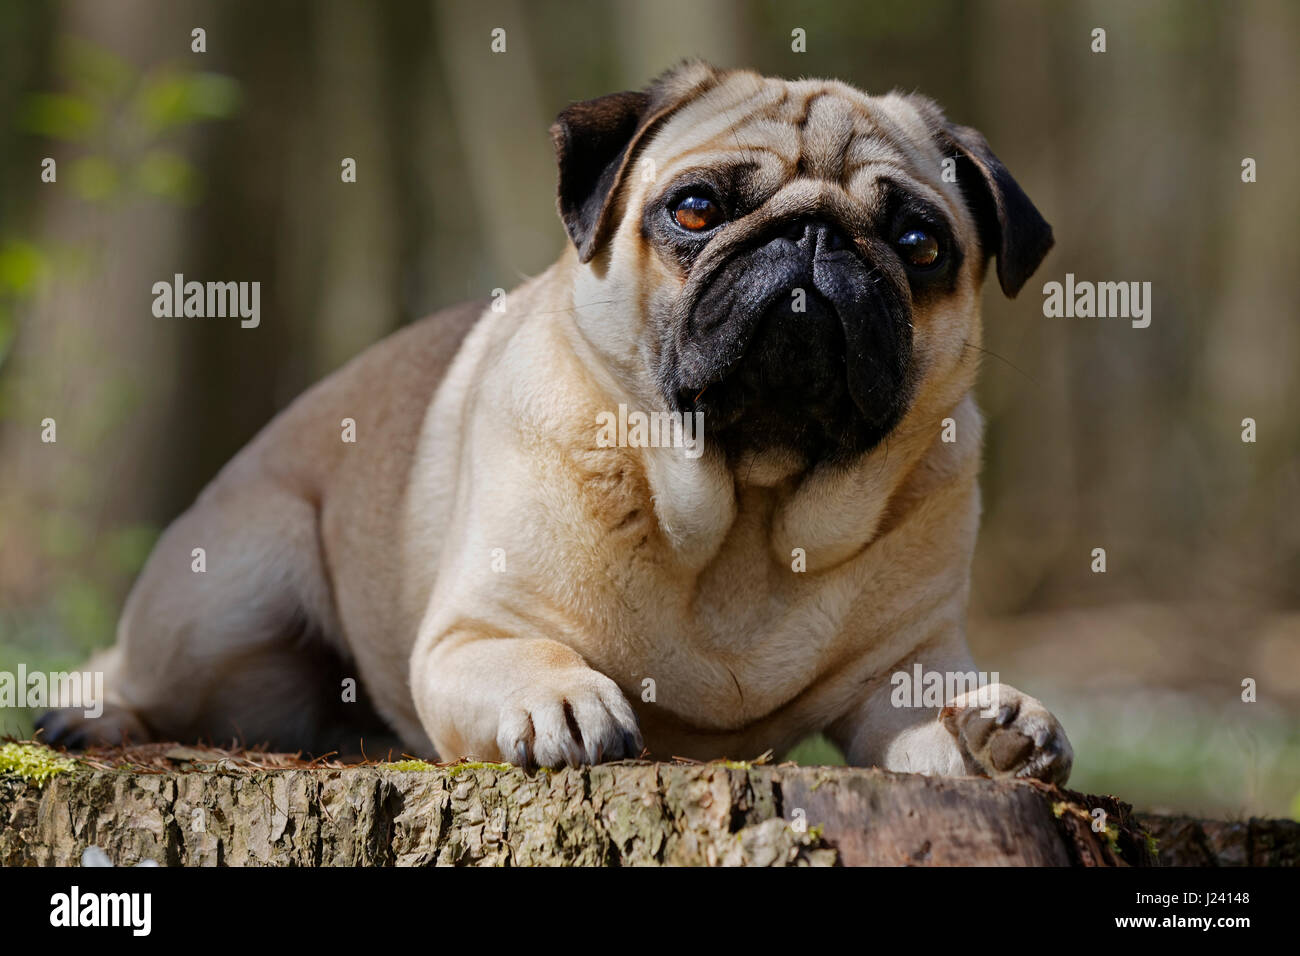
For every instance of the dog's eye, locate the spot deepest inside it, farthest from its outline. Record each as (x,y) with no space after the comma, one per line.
(697,213)
(919,249)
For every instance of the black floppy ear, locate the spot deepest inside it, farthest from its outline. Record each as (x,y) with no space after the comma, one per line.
(591,142)
(1010,226)
(594,142)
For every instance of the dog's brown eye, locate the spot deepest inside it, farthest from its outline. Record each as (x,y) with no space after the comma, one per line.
(697,213)
(919,248)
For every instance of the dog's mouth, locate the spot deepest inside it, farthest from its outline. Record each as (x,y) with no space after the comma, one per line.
(797,344)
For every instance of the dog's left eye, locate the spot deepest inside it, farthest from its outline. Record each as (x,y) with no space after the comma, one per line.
(919,249)
(697,213)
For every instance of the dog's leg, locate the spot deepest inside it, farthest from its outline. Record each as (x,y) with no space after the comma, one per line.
(994,730)
(522,700)
(219,644)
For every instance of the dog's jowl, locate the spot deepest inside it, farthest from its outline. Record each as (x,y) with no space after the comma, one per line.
(799,283)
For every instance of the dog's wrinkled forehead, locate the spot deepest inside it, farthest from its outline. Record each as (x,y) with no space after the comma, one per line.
(811,129)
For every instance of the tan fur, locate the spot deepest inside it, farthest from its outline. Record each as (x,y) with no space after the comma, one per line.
(622,563)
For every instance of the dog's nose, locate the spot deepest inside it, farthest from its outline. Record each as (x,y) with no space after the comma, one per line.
(817,235)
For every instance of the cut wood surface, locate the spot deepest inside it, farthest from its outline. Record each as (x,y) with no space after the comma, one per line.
(195,807)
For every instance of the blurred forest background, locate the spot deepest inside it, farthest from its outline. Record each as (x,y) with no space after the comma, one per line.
(224,165)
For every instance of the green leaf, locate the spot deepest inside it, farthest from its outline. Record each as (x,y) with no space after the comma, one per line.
(170,98)
(22,264)
(58,116)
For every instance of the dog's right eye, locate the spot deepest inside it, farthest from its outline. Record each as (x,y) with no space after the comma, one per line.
(697,213)
(919,248)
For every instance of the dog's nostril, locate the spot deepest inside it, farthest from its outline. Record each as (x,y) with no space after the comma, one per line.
(796,231)
(815,233)
(833,239)
(826,236)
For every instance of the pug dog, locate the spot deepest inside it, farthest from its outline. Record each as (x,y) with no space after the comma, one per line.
(794,265)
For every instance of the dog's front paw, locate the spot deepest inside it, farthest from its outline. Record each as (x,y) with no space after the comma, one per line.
(1005,733)
(573,718)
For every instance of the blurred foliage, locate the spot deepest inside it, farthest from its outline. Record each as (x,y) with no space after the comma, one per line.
(22,266)
(122,117)
(59,116)
(815,751)
(170,98)
(123,134)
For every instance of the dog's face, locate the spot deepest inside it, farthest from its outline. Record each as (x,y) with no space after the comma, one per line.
(794,259)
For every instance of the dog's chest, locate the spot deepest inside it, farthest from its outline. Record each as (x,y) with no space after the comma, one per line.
(747,634)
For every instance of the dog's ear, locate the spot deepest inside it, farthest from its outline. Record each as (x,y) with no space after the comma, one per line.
(596,139)
(1010,226)
(592,140)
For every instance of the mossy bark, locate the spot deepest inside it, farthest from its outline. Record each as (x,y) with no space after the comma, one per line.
(1184,841)
(613,814)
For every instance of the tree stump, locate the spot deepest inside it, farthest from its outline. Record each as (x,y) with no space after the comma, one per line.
(200,807)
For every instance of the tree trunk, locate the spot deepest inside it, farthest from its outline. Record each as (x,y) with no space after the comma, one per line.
(236,814)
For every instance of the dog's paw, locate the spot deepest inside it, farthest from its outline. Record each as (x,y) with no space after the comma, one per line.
(573,718)
(70,727)
(1005,733)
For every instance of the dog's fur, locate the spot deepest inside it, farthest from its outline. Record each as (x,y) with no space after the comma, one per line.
(476,431)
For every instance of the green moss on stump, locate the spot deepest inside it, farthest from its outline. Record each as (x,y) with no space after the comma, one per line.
(411,766)
(33,762)
(454,770)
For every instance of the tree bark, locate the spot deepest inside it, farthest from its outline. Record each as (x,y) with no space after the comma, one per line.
(227,814)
